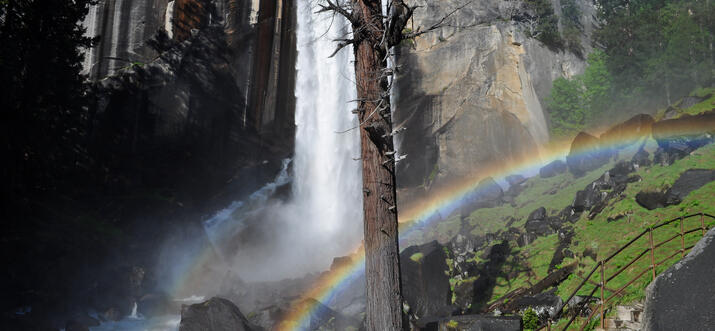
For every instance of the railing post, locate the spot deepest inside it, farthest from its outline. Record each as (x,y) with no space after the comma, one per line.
(603,285)
(702,223)
(682,239)
(652,254)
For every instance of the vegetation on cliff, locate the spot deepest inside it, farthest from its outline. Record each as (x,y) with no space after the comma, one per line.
(648,54)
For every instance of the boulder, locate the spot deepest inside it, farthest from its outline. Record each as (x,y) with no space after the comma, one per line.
(586,154)
(216,314)
(689,181)
(678,137)
(537,223)
(552,169)
(586,198)
(487,194)
(641,158)
(628,132)
(324,318)
(619,173)
(651,200)
(544,304)
(425,285)
(515,179)
(683,296)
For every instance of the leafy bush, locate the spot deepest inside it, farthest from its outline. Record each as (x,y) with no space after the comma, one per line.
(547,24)
(530,319)
(574,102)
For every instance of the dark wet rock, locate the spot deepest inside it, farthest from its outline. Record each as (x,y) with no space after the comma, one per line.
(491,191)
(565,237)
(586,154)
(690,101)
(537,223)
(552,169)
(683,296)
(586,198)
(620,171)
(597,209)
(678,137)
(515,179)
(579,305)
(544,304)
(73,325)
(324,318)
(525,239)
(634,179)
(555,222)
(631,130)
(689,181)
(651,200)
(215,314)
(510,221)
(641,158)
(568,214)
(425,285)
(472,323)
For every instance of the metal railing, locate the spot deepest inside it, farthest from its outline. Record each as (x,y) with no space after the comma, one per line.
(604,302)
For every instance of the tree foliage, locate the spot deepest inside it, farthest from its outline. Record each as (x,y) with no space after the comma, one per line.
(41,98)
(546,28)
(657,50)
(575,102)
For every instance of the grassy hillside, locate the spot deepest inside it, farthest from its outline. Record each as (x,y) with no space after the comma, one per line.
(620,221)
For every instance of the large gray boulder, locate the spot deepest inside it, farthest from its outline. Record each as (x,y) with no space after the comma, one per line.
(216,314)
(425,285)
(683,297)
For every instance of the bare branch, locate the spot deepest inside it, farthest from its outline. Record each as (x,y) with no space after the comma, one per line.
(435,26)
(342,43)
(337,8)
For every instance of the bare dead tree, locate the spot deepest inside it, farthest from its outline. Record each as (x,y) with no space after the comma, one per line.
(373,36)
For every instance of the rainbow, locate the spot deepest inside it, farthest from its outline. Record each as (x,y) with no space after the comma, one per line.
(440,201)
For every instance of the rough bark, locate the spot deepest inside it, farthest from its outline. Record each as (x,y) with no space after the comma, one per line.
(382,264)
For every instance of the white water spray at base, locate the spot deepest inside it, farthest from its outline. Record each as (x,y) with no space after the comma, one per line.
(270,239)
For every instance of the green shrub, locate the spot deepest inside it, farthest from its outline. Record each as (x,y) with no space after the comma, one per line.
(530,319)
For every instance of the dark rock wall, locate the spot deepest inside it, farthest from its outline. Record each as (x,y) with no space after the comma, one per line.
(171,136)
(683,297)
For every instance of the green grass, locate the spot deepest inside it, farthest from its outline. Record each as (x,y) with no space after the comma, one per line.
(705,105)
(599,235)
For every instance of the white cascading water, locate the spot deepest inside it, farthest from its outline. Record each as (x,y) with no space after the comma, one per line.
(327,177)
(323,217)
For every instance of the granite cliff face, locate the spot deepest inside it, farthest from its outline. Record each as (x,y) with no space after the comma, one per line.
(210,78)
(473,92)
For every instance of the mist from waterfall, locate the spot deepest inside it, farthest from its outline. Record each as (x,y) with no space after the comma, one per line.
(271,239)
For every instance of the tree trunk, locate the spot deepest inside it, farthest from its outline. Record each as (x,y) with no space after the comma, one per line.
(382,264)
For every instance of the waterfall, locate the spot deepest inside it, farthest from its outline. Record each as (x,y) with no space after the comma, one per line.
(327,178)
(269,238)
